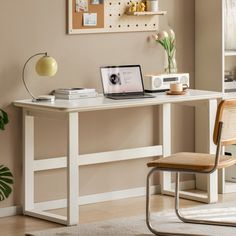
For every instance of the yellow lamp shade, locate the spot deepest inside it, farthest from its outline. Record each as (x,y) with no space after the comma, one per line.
(46,66)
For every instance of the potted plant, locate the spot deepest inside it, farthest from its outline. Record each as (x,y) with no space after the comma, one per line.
(6,177)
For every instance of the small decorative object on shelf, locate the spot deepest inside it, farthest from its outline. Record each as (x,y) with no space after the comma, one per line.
(141,7)
(152,5)
(167,41)
(148,8)
(136,7)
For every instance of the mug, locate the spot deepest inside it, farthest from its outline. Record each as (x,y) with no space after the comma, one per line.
(178,87)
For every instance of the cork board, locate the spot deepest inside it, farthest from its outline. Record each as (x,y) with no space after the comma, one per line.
(111,17)
(77,17)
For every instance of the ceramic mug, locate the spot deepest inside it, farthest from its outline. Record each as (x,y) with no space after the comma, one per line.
(178,87)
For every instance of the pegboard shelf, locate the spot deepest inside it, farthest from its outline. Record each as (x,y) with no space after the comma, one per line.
(146,13)
(110,17)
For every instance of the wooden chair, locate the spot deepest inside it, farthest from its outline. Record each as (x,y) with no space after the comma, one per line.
(224,134)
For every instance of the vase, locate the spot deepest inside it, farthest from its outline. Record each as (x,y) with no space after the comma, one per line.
(171,64)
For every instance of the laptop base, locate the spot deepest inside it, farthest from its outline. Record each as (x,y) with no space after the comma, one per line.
(120,97)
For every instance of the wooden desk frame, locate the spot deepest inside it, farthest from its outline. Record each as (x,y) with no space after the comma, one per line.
(70,112)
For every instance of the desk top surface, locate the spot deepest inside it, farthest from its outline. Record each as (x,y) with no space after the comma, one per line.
(102,103)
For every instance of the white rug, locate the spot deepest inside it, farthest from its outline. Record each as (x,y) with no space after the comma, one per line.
(166,222)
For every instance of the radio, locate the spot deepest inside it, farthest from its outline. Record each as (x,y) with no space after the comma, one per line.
(161,83)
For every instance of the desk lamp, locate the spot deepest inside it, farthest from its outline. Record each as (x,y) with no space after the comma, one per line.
(46,66)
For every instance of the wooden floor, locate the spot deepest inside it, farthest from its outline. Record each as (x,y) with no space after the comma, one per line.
(19,225)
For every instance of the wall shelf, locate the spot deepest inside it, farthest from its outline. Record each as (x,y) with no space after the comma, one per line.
(146,13)
(230,53)
(111,17)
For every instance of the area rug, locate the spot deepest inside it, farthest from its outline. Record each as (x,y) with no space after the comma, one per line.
(165,221)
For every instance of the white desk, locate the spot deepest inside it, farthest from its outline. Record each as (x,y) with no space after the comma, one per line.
(70,110)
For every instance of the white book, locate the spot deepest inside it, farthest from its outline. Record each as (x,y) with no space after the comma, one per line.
(74,90)
(75,96)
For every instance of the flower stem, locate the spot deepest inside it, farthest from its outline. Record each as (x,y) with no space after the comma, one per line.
(169,66)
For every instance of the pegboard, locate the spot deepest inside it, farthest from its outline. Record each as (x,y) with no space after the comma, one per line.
(114,18)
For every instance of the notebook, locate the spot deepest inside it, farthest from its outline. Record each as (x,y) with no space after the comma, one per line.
(123,82)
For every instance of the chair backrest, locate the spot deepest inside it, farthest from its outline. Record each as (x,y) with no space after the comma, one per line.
(226,113)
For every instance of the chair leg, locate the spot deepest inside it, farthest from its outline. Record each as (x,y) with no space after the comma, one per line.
(148,213)
(194,221)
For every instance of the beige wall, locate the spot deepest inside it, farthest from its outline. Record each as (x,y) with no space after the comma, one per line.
(28,27)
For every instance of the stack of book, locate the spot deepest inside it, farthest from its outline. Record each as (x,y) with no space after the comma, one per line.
(74,93)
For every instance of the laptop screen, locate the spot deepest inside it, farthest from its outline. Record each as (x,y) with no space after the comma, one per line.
(122,79)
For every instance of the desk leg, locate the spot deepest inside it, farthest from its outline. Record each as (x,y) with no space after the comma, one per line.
(72,169)
(204,143)
(165,125)
(212,179)
(28,162)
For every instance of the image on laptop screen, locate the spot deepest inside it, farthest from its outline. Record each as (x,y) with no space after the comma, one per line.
(122,79)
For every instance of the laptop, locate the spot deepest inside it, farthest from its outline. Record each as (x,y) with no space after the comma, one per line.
(123,82)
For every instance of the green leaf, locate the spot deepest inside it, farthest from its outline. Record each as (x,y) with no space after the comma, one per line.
(5,188)
(1,124)
(6,174)
(1,195)
(3,119)
(3,168)
(161,42)
(6,181)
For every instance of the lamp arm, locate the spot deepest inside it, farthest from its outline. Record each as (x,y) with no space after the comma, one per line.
(23,73)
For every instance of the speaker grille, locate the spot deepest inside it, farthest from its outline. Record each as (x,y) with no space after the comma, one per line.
(184,79)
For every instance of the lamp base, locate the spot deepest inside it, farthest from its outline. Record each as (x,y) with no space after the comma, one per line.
(44,98)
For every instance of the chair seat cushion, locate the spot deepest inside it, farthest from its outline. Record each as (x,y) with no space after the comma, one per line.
(192,161)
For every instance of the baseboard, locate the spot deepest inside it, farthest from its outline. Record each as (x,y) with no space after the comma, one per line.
(94,198)
(10,211)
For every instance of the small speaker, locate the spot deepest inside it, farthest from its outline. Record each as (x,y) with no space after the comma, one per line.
(184,79)
(161,82)
(157,82)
